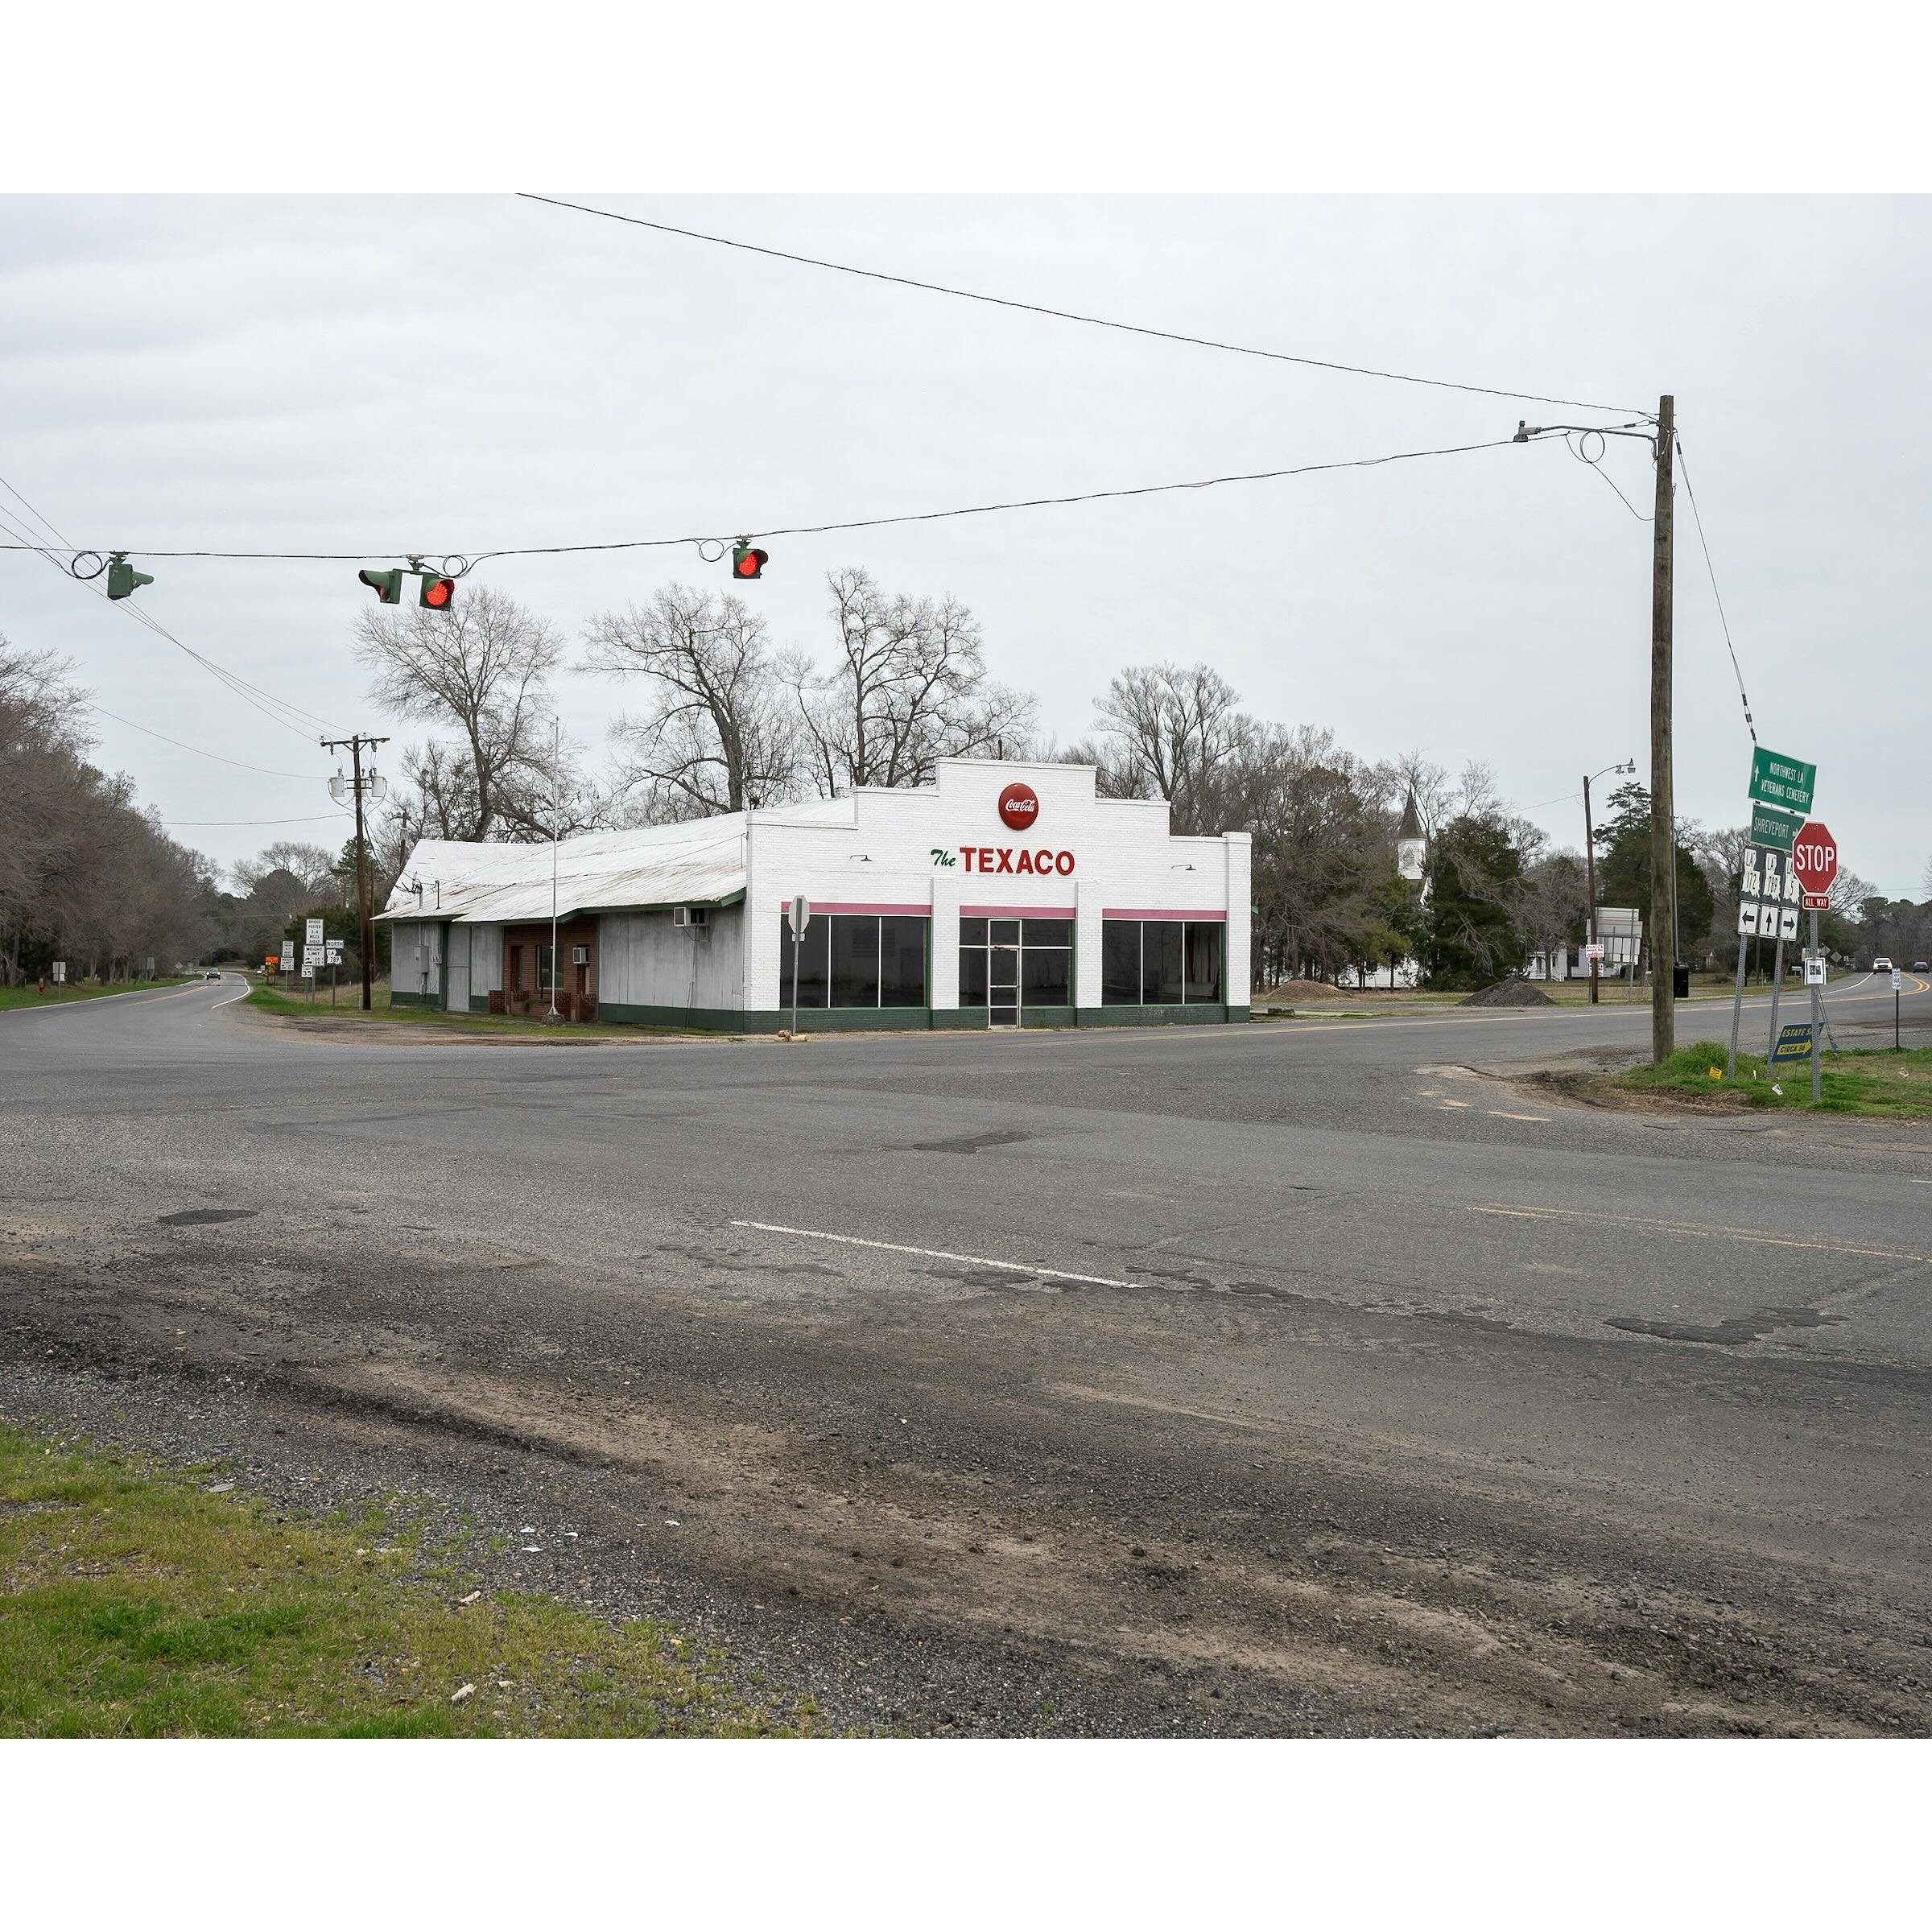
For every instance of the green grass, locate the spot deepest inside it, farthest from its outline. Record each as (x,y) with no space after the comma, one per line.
(502,1024)
(1873,1082)
(134,1604)
(66,996)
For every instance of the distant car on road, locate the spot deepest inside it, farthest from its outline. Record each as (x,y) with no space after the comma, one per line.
(214,972)
(1881,965)
(1921,966)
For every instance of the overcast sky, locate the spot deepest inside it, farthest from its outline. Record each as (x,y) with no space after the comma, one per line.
(375,375)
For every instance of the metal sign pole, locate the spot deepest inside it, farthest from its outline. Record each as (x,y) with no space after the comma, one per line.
(1777,984)
(1818,996)
(794,982)
(1737,1011)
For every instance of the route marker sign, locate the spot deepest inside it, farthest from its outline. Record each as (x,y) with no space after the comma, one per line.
(1777,780)
(1814,859)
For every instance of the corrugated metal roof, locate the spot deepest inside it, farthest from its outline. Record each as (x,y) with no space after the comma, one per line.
(699,863)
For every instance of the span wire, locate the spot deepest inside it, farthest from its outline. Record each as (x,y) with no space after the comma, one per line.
(1066,314)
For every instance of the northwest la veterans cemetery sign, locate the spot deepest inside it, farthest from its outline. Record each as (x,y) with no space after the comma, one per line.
(1785,783)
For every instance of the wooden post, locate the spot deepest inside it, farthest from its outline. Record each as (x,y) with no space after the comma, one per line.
(1590,861)
(1663,827)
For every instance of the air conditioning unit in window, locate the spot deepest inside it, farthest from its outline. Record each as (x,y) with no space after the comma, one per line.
(690,915)
(580,956)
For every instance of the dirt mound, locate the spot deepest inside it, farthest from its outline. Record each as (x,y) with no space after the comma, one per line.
(1509,992)
(1304,989)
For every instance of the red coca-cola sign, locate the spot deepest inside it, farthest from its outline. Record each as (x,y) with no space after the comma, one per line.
(1020,807)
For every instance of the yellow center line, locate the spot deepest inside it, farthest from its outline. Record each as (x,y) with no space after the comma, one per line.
(1697,1228)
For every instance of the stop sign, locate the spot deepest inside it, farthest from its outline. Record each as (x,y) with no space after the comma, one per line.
(1814,859)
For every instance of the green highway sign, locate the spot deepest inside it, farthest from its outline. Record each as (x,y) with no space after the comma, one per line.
(1772,827)
(1777,780)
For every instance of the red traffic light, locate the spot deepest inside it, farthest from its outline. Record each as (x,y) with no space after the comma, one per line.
(747,563)
(438,593)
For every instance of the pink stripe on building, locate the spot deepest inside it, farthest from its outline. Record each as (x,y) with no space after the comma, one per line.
(1016,912)
(860,909)
(1202,917)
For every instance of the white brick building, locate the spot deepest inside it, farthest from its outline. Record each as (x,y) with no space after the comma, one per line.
(1002,894)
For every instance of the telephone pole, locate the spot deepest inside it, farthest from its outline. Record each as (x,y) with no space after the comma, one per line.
(373,785)
(1663,824)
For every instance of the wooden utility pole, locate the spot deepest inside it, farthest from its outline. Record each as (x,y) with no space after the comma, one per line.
(365,924)
(1663,824)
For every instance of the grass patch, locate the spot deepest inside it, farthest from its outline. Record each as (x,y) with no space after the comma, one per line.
(1875,1081)
(134,1604)
(71,995)
(507,1025)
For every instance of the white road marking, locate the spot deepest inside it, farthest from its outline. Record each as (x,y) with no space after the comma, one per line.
(1456,1103)
(1496,1113)
(935,1254)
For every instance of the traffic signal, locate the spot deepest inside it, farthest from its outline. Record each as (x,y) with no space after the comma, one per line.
(438,593)
(123,579)
(387,585)
(747,563)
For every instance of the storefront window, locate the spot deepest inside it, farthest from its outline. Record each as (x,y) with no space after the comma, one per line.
(547,968)
(1204,980)
(814,957)
(903,961)
(1120,962)
(855,959)
(1160,962)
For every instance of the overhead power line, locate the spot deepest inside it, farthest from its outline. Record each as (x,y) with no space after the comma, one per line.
(281,710)
(206,824)
(813,529)
(1066,314)
(312,777)
(1724,622)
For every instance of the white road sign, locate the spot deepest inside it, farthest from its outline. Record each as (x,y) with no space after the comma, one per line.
(315,932)
(1898,981)
(59,972)
(800,915)
(1814,966)
(288,956)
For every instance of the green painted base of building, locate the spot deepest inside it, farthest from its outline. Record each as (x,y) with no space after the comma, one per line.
(910,1019)
(415,999)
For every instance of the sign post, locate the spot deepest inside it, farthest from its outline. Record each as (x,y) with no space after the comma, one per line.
(1898,981)
(1814,861)
(800,916)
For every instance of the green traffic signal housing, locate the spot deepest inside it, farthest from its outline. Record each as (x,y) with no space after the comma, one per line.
(123,579)
(387,585)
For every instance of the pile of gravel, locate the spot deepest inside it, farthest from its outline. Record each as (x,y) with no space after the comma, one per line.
(1509,992)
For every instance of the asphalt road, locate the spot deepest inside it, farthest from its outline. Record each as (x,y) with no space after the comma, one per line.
(1321,1377)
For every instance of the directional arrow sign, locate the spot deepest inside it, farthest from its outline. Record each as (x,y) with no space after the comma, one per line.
(1814,859)
(1777,780)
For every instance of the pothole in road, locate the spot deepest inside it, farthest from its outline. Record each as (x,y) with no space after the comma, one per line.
(1733,1331)
(968,1143)
(200,1217)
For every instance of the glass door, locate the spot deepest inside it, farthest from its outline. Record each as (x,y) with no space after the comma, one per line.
(1003,974)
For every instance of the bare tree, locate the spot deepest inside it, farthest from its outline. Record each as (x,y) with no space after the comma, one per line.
(313,870)
(1173,733)
(908,687)
(480,671)
(719,730)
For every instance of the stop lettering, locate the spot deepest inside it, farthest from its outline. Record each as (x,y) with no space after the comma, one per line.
(1814,857)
